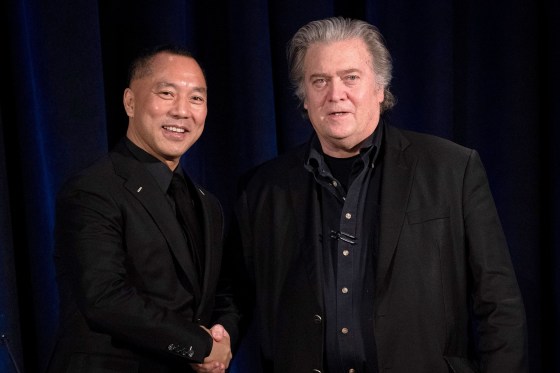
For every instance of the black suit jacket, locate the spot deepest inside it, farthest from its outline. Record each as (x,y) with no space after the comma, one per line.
(130,297)
(441,251)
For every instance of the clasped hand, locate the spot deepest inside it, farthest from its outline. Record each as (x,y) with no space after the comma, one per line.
(220,356)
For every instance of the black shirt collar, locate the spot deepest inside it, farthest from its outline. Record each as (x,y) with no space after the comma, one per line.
(369,151)
(159,170)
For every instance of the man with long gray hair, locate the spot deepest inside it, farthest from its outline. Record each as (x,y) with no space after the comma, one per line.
(374,249)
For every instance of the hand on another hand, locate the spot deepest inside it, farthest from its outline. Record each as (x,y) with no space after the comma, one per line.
(220,356)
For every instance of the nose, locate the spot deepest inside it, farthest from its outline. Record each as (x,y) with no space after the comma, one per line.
(337,90)
(181,108)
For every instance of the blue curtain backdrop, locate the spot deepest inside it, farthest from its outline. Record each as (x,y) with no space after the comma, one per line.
(482,73)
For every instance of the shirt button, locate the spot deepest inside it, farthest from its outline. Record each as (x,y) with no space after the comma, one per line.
(348,216)
(344,290)
(344,330)
(334,183)
(345,252)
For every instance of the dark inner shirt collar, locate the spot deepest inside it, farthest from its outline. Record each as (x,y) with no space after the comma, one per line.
(315,161)
(159,170)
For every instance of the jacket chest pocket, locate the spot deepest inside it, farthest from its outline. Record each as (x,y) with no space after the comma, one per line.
(428,214)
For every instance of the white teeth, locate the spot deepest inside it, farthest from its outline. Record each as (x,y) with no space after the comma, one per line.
(175,129)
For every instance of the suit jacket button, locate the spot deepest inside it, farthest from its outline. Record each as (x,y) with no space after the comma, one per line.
(317,319)
(316,371)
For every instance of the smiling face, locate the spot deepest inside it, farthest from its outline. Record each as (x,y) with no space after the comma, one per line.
(342,97)
(167,107)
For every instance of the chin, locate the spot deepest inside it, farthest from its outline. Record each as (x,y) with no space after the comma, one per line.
(340,136)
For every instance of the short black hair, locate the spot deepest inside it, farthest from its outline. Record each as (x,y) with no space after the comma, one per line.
(140,65)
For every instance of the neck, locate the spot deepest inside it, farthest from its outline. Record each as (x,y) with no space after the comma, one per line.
(339,150)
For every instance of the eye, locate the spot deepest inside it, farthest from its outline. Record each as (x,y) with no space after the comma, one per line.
(198,99)
(166,94)
(352,78)
(319,82)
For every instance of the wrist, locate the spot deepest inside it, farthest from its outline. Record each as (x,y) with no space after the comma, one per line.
(209,344)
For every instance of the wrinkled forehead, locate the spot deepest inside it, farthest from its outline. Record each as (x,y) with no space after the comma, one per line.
(344,54)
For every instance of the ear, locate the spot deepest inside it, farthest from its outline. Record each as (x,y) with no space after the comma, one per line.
(128,101)
(380,94)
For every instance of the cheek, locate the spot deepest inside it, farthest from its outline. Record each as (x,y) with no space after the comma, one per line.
(313,103)
(150,112)
(201,116)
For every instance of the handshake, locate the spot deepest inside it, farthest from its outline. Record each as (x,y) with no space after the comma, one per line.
(220,356)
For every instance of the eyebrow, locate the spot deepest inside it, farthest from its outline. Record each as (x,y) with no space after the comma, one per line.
(172,85)
(338,73)
(200,89)
(318,75)
(348,71)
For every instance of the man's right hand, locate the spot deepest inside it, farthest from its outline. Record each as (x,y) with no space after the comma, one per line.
(220,356)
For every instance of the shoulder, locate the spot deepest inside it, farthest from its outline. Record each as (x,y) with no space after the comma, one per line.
(426,146)
(90,175)
(276,170)
(103,176)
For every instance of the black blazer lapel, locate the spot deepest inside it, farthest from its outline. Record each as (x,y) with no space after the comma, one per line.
(142,185)
(212,229)
(305,204)
(396,184)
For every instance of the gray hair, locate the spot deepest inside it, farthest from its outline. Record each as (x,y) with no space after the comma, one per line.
(338,29)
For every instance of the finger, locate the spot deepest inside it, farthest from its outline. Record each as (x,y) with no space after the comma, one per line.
(218,332)
(211,367)
(218,329)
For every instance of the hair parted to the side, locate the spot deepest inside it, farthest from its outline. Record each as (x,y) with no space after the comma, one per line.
(338,29)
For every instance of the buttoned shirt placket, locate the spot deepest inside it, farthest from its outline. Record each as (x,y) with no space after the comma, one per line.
(348,245)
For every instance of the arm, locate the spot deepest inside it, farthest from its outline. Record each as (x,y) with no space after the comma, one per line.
(497,300)
(226,313)
(91,231)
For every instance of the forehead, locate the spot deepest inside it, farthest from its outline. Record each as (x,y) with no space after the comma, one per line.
(343,54)
(167,66)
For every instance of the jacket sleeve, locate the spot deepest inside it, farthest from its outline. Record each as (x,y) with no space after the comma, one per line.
(93,258)
(226,311)
(497,301)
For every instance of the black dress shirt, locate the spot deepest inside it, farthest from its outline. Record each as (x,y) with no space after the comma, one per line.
(163,176)
(349,199)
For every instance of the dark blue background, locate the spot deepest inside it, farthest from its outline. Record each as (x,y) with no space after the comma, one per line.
(481,73)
